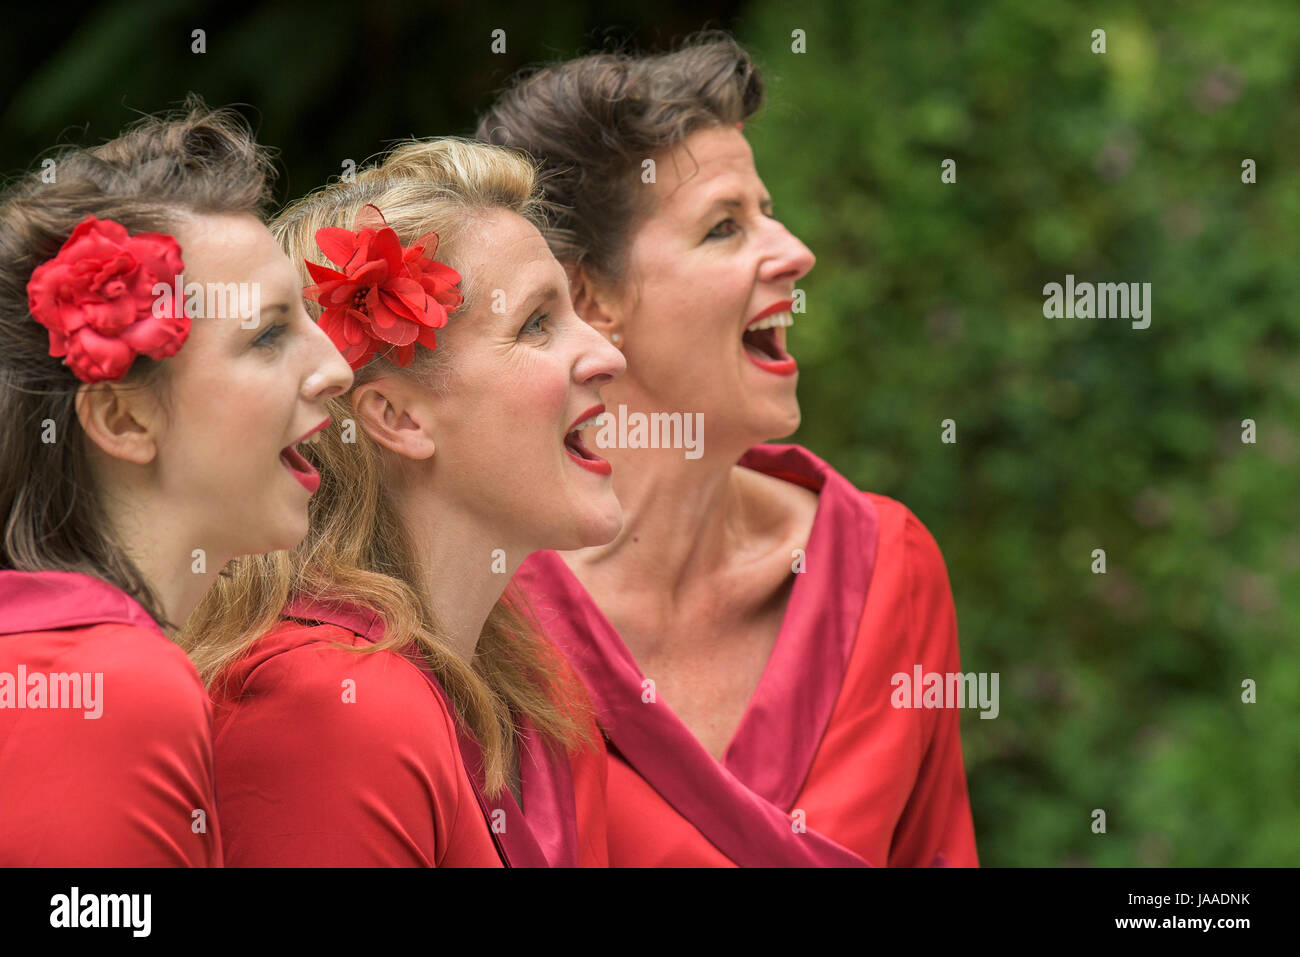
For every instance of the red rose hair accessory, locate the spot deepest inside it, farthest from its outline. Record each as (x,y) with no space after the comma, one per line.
(386,295)
(97,299)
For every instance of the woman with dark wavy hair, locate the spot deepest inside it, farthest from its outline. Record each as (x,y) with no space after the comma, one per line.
(744,633)
(157,372)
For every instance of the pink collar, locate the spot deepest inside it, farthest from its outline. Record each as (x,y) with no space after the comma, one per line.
(740,803)
(359,621)
(47,601)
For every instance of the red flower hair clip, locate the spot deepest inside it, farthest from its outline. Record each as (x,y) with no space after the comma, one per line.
(386,295)
(97,298)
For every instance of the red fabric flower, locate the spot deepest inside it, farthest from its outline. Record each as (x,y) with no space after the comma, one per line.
(96,298)
(385,295)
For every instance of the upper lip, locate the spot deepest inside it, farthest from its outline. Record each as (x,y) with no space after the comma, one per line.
(312,432)
(785,305)
(594,410)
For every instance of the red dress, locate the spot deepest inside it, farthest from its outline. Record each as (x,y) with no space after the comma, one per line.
(823,770)
(105,732)
(332,757)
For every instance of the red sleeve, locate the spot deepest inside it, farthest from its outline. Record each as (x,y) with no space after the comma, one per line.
(337,758)
(129,788)
(935,826)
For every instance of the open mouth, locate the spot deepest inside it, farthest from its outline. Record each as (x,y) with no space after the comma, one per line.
(577,449)
(298,466)
(764,343)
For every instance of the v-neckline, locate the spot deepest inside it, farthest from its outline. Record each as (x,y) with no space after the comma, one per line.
(741,729)
(804,671)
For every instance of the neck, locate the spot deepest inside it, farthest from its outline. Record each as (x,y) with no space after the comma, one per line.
(163,552)
(681,518)
(459,574)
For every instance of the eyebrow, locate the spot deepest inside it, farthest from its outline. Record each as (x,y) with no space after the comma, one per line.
(273,308)
(731,202)
(551,290)
(264,312)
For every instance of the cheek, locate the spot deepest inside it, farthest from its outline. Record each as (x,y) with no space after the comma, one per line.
(502,407)
(536,397)
(225,419)
(690,304)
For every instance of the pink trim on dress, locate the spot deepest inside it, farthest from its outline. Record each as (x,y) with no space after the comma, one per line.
(48,601)
(742,804)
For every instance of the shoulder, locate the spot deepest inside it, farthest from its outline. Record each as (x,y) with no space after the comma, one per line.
(146,677)
(322,679)
(905,538)
(910,567)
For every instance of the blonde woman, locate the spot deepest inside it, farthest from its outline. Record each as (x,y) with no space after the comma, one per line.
(379,701)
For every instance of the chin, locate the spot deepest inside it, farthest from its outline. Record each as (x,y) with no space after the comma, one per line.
(284,536)
(589,528)
(779,424)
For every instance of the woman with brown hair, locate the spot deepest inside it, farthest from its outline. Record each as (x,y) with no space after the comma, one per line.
(148,424)
(743,633)
(379,701)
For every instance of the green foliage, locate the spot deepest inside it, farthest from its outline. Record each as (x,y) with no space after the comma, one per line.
(1120,691)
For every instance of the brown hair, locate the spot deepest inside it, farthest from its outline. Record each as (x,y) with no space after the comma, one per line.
(161,169)
(357,550)
(593,120)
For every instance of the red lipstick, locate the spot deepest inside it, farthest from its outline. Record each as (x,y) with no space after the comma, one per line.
(578,451)
(299,467)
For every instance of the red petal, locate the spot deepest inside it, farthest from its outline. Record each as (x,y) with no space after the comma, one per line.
(389,247)
(404,355)
(427,337)
(429,243)
(323,273)
(369,217)
(338,245)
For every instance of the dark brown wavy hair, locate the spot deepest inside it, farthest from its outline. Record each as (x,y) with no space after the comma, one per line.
(192,161)
(592,121)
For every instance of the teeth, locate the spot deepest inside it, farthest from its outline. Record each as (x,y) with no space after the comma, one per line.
(594,420)
(771,322)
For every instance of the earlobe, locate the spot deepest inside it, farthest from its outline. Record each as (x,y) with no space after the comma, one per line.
(396,417)
(118,422)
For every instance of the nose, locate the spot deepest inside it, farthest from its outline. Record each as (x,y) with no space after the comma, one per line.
(790,260)
(597,362)
(330,373)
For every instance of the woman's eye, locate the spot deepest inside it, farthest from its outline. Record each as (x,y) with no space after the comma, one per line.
(268,338)
(715,232)
(534,326)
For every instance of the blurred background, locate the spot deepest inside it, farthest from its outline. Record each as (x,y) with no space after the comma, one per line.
(1120,691)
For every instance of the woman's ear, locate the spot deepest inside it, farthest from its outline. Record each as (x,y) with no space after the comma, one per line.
(396,413)
(591,302)
(123,421)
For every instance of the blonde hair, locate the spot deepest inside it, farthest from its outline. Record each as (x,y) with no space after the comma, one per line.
(357,550)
